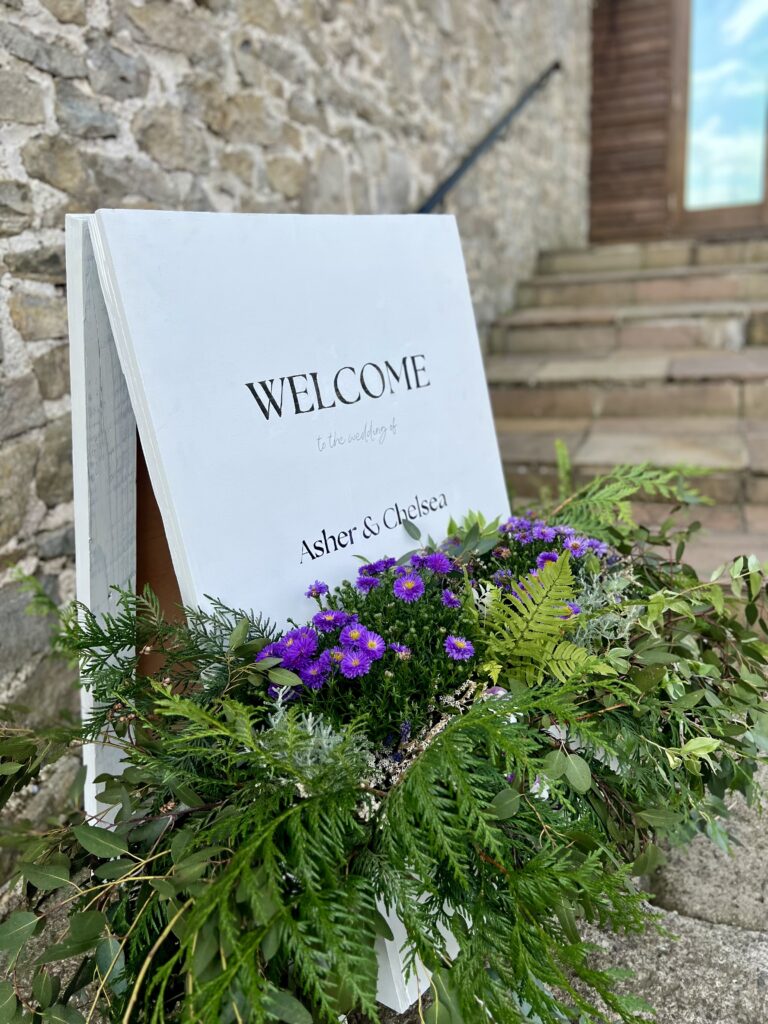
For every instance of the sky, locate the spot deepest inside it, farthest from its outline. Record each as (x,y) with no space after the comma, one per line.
(727,103)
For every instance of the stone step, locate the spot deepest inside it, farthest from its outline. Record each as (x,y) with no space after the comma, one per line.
(653,255)
(648,287)
(598,330)
(631,384)
(702,881)
(732,454)
(692,971)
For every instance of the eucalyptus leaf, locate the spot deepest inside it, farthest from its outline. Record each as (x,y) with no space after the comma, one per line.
(61,1014)
(16,930)
(413,531)
(281,1005)
(555,763)
(101,842)
(52,875)
(578,773)
(505,804)
(110,961)
(8,1002)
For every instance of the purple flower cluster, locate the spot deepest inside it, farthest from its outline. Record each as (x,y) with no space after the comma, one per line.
(531,531)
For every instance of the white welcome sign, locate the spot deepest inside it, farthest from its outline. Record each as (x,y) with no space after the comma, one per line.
(302,385)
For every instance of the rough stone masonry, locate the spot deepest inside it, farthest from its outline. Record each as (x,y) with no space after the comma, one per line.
(249,105)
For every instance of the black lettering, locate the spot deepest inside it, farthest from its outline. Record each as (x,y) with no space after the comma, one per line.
(320,403)
(370,528)
(305,551)
(341,398)
(266,387)
(392,373)
(298,391)
(418,370)
(366,389)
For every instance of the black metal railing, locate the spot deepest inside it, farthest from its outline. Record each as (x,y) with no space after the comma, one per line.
(488,139)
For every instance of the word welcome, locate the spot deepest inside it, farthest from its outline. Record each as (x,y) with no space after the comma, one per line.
(307,393)
(392,517)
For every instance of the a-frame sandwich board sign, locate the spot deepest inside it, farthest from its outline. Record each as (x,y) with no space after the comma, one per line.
(300,385)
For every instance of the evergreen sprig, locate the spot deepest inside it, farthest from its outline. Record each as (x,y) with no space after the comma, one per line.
(252,849)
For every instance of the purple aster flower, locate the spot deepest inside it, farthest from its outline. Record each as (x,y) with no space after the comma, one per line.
(566,531)
(544,557)
(334,656)
(599,547)
(458,649)
(542,532)
(439,562)
(365,584)
(405,570)
(373,645)
(352,635)
(449,599)
(402,652)
(501,553)
(354,662)
(576,545)
(514,524)
(511,777)
(502,579)
(329,620)
(375,568)
(315,673)
(270,651)
(408,588)
(297,645)
(317,589)
(575,608)
(417,561)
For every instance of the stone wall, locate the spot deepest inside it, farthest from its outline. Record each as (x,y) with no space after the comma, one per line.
(250,105)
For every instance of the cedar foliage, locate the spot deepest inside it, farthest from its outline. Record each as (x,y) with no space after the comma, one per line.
(255,852)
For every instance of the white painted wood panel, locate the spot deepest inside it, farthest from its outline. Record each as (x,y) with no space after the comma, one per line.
(104,459)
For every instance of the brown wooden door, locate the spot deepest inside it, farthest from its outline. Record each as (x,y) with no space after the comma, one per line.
(718,157)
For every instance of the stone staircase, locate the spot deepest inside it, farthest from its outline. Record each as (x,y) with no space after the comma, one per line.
(644,352)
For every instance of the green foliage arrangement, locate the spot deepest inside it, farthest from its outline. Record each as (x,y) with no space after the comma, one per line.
(487,738)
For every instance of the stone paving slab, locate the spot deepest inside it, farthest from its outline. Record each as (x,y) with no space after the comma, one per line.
(701,881)
(618,366)
(702,450)
(745,365)
(630,366)
(582,314)
(706,974)
(674,271)
(637,255)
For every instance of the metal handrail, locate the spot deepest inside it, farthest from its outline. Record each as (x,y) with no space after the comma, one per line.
(488,139)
